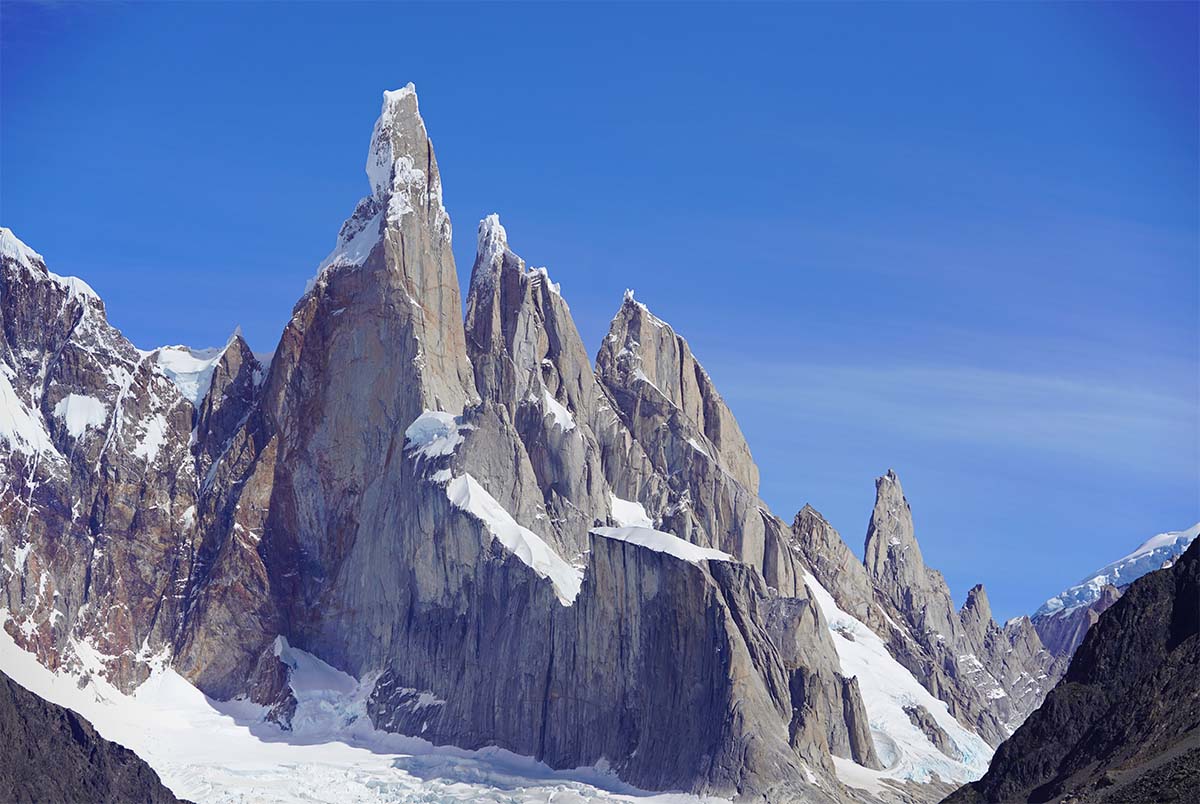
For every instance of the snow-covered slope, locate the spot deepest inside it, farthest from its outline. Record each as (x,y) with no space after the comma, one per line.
(1151,555)
(190,369)
(208,751)
(889,690)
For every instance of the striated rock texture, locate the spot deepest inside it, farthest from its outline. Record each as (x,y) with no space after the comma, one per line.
(990,677)
(529,359)
(1124,722)
(52,754)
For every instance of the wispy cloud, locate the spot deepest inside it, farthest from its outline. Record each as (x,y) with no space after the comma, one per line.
(1141,428)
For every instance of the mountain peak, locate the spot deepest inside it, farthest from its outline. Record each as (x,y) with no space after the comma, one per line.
(891,541)
(399,161)
(1149,556)
(13,247)
(492,241)
(977,600)
(404,179)
(890,477)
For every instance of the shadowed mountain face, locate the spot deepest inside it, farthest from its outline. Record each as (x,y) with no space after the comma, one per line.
(48,753)
(513,546)
(1124,722)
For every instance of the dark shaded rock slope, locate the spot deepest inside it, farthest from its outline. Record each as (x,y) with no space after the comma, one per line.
(50,754)
(1124,722)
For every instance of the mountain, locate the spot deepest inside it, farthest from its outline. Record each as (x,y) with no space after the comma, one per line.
(1123,725)
(488,540)
(990,677)
(52,754)
(1062,621)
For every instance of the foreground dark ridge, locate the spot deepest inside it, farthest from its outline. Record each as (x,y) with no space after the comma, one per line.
(1123,725)
(50,754)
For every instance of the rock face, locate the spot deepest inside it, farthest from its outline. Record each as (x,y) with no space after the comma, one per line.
(530,360)
(52,754)
(1061,632)
(990,678)
(1063,620)
(510,546)
(441,499)
(97,515)
(1122,723)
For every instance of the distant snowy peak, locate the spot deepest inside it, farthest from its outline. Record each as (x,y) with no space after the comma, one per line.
(1151,555)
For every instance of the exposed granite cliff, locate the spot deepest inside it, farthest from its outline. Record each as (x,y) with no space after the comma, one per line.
(442,503)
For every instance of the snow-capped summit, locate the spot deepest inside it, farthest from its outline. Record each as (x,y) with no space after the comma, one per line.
(406,188)
(396,103)
(394,166)
(491,244)
(1152,554)
(11,246)
(1064,620)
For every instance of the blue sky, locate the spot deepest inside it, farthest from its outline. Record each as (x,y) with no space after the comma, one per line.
(957,240)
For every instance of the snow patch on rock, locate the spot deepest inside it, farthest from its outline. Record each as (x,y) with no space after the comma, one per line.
(153,438)
(661,542)
(465,493)
(79,412)
(628,513)
(189,369)
(562,416)
(434,434)
(24,430)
